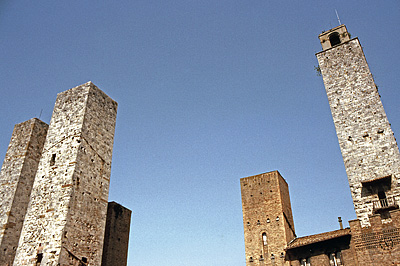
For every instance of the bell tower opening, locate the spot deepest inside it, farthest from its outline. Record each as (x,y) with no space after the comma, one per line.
(334,39)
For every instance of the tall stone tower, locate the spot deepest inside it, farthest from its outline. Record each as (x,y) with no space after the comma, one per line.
(369,149)
(65,221)
(267,218)
(16,181)
(116,237)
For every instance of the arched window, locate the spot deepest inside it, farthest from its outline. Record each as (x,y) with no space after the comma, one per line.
(334,39)
(264,239)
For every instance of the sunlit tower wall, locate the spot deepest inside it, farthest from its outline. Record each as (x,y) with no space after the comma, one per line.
(267,219)
(16,181)
(66,217)
(369,149)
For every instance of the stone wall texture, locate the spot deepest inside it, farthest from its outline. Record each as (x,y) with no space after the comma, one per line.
(16,180)
(66,217)
(366,140)
(116,237)
(266,210)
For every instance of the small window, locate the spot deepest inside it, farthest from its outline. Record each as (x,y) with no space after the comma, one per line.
(251,259)
(39,259)
(264,239)
(334,38)
(53,159)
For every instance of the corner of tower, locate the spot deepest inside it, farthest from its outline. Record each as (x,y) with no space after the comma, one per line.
(333,37)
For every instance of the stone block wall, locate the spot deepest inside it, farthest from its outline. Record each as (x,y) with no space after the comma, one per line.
(16,180)
(66,216)
(366,140)
(266,210)
(116,237)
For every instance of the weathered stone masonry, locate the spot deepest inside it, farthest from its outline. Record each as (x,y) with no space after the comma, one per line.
(66,216)
(16,180)
(369,149)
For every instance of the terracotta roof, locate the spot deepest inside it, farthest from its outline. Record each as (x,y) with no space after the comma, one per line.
(306,240)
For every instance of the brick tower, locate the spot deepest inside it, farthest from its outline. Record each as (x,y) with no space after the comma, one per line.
(16,180)
(267,218)
(66,216)
(369,149)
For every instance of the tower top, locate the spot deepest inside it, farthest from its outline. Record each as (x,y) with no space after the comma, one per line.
(334,37)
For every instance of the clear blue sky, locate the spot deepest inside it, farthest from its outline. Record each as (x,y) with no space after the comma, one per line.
(209,91)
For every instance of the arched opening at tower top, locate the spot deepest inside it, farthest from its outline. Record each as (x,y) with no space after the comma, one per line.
(334,39)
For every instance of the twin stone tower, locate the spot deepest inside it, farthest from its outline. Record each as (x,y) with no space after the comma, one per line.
(54,186)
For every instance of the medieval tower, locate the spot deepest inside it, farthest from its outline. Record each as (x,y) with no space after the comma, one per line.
(369,149)
(16,181)
(372,161)
(267,218)
(66,216)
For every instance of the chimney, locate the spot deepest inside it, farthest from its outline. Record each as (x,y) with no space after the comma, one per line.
(340,222)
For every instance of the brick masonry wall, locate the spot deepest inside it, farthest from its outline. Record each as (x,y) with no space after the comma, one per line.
(16,180)
(264,200)
(67,211)
(116,238)
(379,244)
(366,140)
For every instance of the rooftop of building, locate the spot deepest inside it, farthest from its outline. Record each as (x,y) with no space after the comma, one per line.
(307,240)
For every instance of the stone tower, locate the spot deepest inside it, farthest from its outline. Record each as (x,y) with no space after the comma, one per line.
(66,216)
(116,238)
(16,181)
(267,218)
(369,149)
